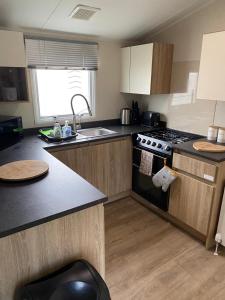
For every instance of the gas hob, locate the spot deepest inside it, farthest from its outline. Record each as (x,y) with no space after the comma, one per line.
(162,140)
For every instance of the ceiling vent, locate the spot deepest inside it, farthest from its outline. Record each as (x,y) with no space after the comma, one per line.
(83,12)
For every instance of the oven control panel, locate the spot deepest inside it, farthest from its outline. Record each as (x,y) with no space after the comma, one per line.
(153,144)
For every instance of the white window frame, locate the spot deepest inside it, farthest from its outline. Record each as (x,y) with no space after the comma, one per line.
(61,118)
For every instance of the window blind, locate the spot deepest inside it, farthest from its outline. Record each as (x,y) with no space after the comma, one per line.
(45,53)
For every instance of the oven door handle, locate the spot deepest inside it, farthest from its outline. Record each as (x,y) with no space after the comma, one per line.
(159,156)
(136,165)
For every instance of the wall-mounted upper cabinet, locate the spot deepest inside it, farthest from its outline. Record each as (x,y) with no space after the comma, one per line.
(12,52)
(212,67)
(125,70)
(146,69)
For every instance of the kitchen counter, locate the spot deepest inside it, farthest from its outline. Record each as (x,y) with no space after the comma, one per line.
(188,148)
(58,193)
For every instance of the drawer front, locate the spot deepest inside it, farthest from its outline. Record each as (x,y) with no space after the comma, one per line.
(195,167)
(190,202)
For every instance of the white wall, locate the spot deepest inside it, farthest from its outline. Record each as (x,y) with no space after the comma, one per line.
(109,101)
(181,109)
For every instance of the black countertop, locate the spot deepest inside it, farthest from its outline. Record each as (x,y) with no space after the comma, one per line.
(188,148)
(120,131)
(60,192)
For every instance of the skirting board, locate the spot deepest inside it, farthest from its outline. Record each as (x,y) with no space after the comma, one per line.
(118,197)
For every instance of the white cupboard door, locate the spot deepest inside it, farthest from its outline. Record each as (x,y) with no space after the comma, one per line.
(211,82)
(125,70)
(141,69)
(12,52)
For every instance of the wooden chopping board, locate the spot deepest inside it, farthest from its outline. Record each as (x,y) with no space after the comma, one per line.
(208,147)
(23,170)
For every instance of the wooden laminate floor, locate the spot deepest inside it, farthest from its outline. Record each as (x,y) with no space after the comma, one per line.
(147,258)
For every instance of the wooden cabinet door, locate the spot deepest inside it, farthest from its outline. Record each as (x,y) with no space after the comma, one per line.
(125,70)
(12,52)
(190,202)
(212,67)
(195,167)
(111,166)
(99,166)
(90,162)
(146,69)
(107,166)
(120,167)
(78,159)
(141,69)
(161,68)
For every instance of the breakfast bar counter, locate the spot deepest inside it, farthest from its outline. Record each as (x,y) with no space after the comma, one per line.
(47,222)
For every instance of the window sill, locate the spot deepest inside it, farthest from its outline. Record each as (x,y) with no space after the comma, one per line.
(61,119)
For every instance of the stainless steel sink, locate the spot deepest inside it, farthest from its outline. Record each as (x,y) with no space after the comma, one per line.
(94,132)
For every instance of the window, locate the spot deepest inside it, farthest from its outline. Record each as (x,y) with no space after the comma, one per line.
(59,70)
(53,90)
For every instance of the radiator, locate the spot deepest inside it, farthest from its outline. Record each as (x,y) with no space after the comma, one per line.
(221,225)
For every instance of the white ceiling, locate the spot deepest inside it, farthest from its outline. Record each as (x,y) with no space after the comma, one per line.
(118,19)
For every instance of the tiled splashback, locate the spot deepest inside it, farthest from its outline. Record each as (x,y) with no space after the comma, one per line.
(181,109)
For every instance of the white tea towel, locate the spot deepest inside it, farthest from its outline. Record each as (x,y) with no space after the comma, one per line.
(164,178)
(146,163)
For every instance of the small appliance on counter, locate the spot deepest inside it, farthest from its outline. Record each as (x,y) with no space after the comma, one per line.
(130,116)
(126,116)
(135,113)
(150,119)
(11,131)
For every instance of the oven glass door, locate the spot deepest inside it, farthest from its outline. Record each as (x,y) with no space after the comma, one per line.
(142,184)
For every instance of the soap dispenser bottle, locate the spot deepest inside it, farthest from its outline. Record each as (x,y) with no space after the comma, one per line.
(66,130)
(57,131)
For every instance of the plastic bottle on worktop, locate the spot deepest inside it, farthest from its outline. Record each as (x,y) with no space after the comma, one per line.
(66,130)
(57,131)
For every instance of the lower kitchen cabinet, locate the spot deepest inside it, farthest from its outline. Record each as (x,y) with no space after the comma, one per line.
(119,166)
(107,164)
(196,195)
(98,166)
(75,158)
(190,202)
